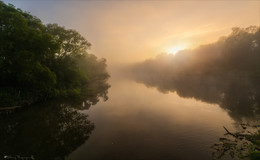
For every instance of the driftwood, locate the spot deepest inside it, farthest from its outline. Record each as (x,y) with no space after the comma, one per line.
(238,135)
(9,110)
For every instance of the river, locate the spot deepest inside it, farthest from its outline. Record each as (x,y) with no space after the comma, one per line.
(141,123)
(136,122)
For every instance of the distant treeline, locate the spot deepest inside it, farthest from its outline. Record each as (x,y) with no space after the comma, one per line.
(39,62)
(226,72)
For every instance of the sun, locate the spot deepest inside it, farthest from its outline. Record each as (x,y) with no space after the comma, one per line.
(175,49)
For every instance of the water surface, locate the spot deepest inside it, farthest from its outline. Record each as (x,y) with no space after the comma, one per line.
(139,122)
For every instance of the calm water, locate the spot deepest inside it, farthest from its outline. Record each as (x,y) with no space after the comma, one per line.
(138,122)
(135,123)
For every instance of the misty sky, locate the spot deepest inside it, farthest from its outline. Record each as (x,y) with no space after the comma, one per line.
(129,31)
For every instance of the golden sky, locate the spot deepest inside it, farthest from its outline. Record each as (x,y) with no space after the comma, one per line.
(129,31)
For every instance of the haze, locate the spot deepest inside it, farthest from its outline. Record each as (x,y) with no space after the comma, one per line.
(175,73)
(130,31)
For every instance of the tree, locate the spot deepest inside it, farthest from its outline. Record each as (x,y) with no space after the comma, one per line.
(39,62)
(226,72)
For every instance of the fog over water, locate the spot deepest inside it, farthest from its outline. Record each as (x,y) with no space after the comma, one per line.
(141,123)
(225,72)
(171,105)
(179,72)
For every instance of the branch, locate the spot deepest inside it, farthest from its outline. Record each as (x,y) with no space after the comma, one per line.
(229,132)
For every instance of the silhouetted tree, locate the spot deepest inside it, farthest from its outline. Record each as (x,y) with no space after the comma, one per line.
(226,73)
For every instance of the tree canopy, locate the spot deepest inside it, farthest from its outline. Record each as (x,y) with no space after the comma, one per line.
(39,62)
(226,72)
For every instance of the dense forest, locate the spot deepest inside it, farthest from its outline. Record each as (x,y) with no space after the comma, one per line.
(226,72)
(39,62)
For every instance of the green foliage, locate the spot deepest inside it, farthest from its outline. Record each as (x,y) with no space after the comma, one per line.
(242,145)
(39,62)
(71,42)
(255,155)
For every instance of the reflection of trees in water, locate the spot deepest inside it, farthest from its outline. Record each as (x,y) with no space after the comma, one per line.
(240,96)
(242,99)
(51,130)
(226,73)
(91,95)
(46,132)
